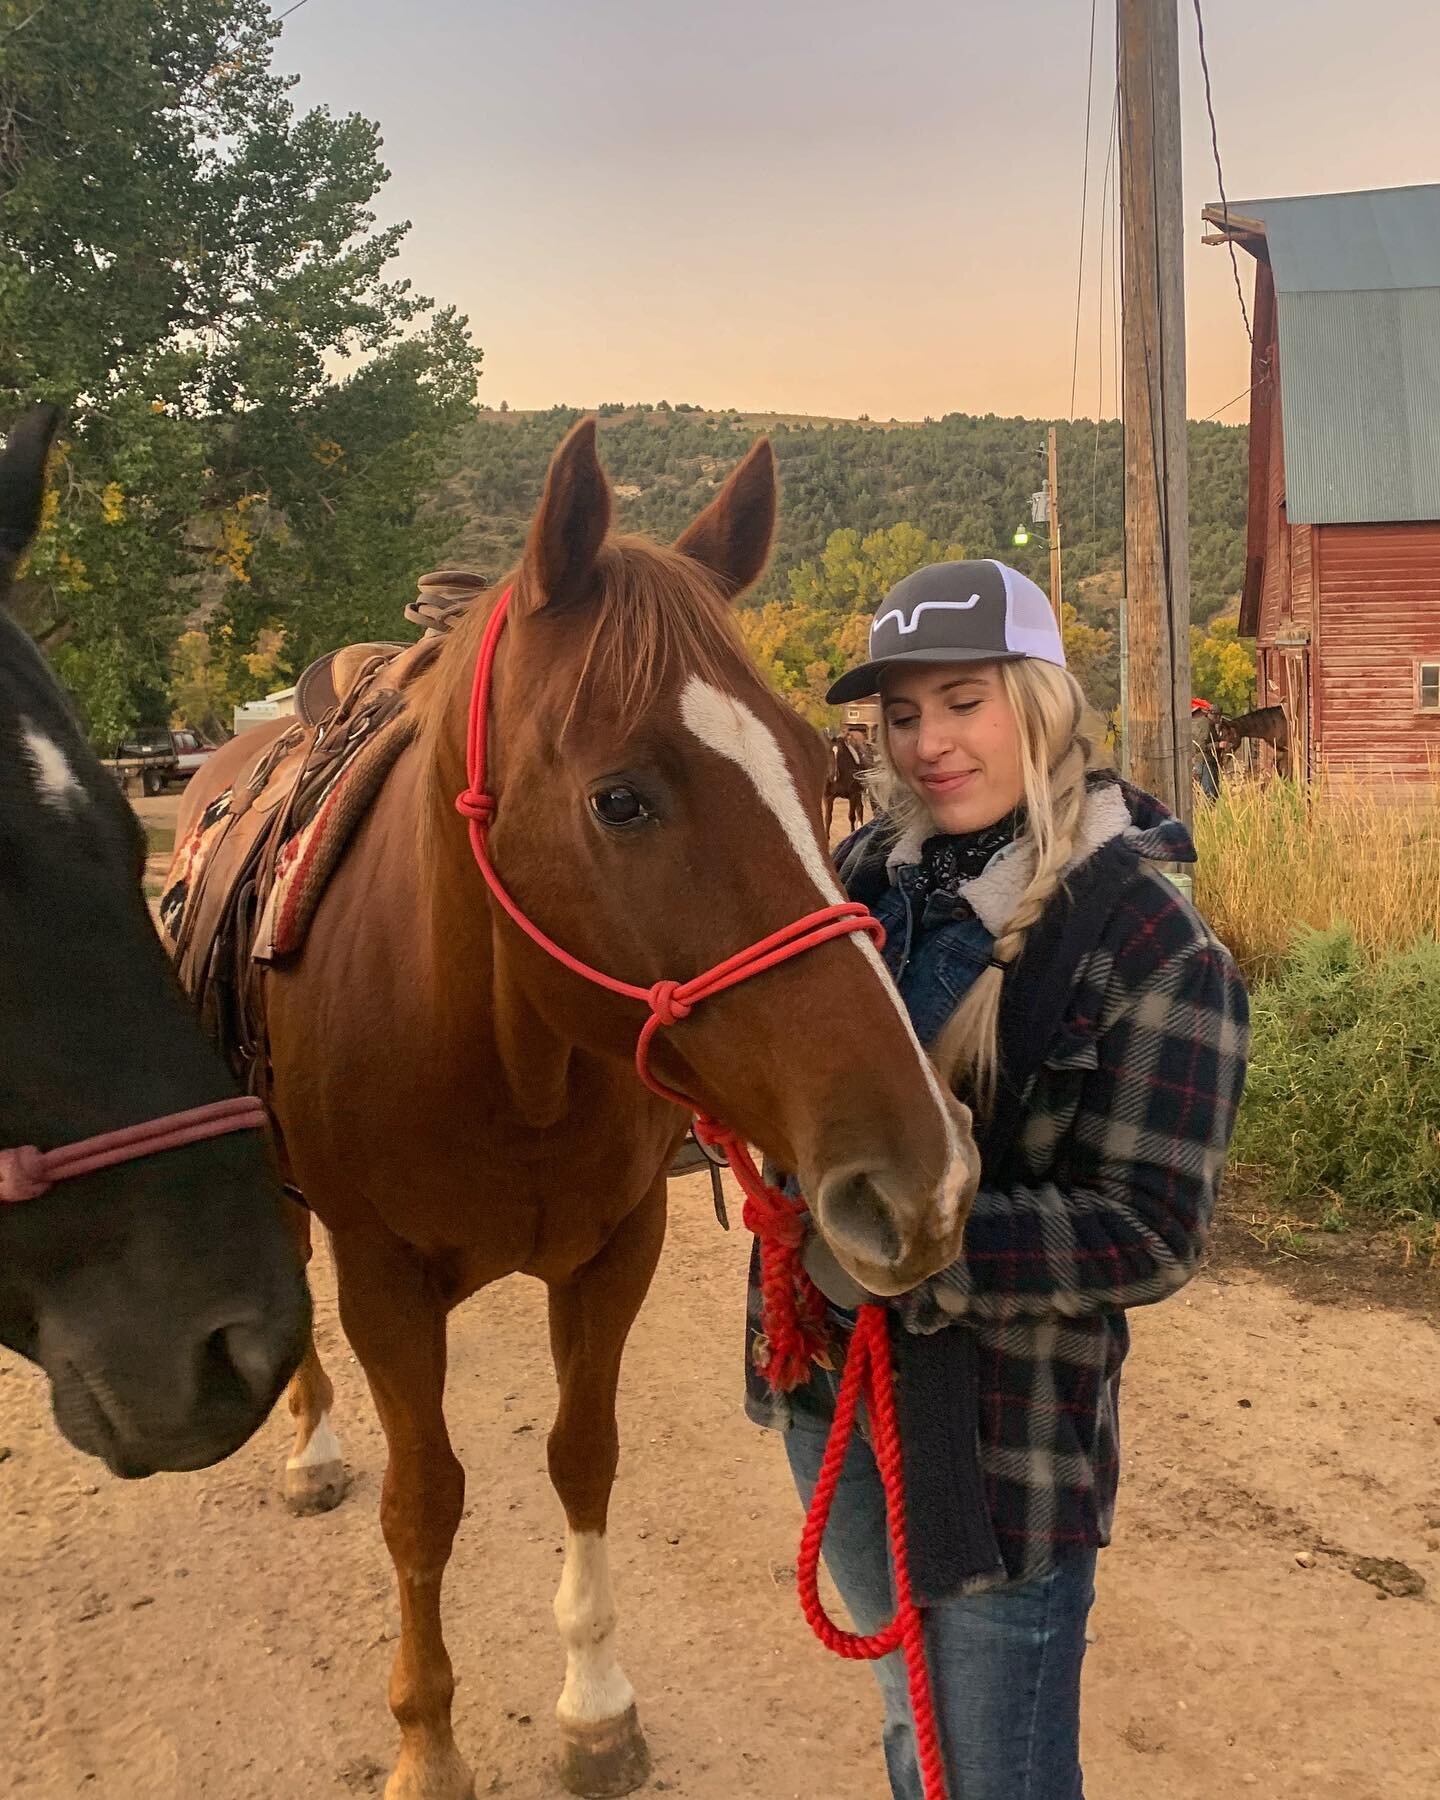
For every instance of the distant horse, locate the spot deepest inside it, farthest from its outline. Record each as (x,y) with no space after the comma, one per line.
(850,759)
(1265,725)
(160,1294)
(457,1106)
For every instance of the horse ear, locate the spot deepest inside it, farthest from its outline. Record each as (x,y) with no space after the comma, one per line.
(22,484)
(731,538)
(571,523)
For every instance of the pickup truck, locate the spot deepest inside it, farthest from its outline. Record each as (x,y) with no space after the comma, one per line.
(160,758)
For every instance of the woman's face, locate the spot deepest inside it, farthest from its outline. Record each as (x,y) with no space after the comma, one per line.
(954,740)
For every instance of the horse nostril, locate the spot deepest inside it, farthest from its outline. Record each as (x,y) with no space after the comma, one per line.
(247,1349)
(856,1216)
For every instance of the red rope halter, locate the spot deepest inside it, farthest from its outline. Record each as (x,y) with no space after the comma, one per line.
(26,1173)
(793,1309)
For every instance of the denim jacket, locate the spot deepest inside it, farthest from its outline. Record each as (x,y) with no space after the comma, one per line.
(935,947)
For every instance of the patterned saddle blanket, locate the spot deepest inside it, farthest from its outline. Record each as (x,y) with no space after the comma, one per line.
(247,882)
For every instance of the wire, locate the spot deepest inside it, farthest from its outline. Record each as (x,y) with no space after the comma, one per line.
(1225,408)
(1116,304)
(1108,194)
(1084,198)
(15,30)
(288,10)
(1220,173)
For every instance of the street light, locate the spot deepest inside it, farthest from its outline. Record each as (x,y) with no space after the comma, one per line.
(1022,535)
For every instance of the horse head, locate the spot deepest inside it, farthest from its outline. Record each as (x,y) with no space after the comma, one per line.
(162,1296)
(658,810)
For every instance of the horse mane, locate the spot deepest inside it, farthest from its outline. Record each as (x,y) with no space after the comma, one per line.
(1258,715)
(658,616)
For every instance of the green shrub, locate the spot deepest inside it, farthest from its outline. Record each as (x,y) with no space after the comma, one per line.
(1342,1105)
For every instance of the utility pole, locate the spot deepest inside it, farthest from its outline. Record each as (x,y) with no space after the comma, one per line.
(1157,552)
(1054,495)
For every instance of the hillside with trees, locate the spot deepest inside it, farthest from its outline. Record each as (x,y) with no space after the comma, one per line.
(862,505)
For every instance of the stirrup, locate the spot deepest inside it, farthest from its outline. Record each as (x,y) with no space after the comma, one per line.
(693,1155)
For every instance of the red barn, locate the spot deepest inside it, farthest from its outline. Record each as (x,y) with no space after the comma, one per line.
(1342,579)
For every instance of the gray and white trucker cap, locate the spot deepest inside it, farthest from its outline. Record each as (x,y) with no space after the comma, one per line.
(956,612)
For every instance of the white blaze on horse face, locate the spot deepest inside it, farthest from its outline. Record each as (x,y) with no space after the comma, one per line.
(596,1687)
(58,784)
(726,725)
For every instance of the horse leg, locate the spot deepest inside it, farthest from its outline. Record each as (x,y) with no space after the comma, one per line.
(603,1748)
(395,1321)
(315,1478)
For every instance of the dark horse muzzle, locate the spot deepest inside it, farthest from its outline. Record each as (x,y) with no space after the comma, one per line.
(143,1377)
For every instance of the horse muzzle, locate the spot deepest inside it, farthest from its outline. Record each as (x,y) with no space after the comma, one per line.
(143,1402)
(886,1238)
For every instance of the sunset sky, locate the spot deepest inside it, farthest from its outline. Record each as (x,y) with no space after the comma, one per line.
(832,208)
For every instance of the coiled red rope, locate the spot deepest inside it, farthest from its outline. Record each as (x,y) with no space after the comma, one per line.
(868,1375)
(793,1309)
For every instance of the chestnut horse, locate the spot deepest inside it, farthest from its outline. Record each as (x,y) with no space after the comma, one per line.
(162,1296)
(457,1107)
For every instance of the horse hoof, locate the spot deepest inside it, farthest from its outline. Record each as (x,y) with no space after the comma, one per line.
(315,1487)
(604,1760)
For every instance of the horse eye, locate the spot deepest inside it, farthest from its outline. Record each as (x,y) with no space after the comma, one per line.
(618,806)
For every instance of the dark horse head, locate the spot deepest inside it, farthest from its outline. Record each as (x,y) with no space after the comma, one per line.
(162,1297)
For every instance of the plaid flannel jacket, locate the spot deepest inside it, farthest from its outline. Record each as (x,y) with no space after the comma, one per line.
(1107,1198)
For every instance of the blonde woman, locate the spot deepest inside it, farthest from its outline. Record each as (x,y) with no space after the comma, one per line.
(1098,1030)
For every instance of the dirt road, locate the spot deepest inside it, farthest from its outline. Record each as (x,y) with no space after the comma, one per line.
(186,1638)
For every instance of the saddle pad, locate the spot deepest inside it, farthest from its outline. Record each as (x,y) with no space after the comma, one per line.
(249,878)
(309,857)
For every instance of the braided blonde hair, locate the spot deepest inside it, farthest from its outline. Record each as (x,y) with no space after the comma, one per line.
(1055,755)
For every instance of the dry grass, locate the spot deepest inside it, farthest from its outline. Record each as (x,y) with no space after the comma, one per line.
(1275,857)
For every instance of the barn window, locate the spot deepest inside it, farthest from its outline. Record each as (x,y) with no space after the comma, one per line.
(1427,687)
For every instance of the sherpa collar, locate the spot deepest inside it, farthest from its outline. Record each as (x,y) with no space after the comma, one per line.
(1112,810)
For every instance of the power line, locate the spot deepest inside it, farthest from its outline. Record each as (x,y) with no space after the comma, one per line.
(15,30)
(1100,262)
(1220,173)
(1084,198)
(1225,408)
(1108,195)
(1116,386)
(288,10)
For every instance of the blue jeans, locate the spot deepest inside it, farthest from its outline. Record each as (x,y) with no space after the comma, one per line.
(1004,1665)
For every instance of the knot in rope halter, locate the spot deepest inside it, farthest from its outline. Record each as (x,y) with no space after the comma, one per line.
(795,1333)
(22,1174)
(26,1173)
(667,1003)
(480,807)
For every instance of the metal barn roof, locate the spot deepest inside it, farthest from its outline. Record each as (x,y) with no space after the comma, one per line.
(1357,285)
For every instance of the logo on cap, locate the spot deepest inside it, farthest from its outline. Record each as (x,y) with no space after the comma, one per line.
(923,606)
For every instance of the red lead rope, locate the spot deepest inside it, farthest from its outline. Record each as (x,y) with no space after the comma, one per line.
(867,1371)
(793,1309)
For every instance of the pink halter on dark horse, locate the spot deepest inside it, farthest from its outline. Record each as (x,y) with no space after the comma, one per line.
(144,1262)
(457,1104)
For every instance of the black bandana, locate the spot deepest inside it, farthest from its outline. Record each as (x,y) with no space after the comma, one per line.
(957,856)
